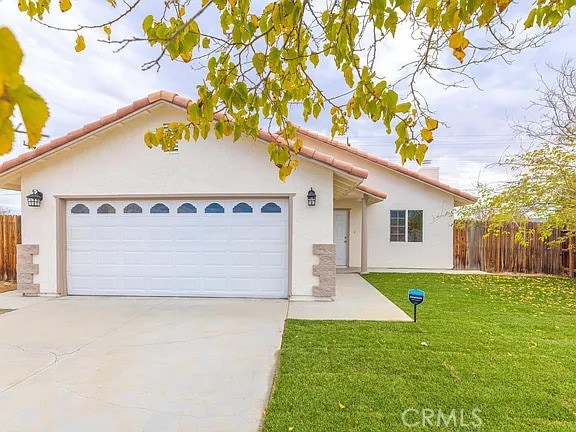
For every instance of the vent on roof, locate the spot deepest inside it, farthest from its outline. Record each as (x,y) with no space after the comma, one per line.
(429,170)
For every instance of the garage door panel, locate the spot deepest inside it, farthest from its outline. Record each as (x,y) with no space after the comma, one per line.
(84,283)
(237,253)
(134,258)
(272,259)
(77,233)
(187,258)
(108,257)
(214,285)
(187,284)
(160,233)
(271,233)
(133,234)
(186,233)
(135,283)
(108,283)
(247,259)
(80,258)
(161,257)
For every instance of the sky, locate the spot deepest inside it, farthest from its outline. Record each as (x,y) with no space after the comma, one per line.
(82,87)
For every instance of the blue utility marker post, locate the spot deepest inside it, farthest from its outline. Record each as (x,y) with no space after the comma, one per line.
(415,296)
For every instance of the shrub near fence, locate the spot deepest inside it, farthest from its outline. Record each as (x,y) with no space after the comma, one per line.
(10,237)
(474,250)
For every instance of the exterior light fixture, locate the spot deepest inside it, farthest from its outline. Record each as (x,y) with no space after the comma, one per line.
(35,198)
(311,198)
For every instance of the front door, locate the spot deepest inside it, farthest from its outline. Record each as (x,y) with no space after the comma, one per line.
(341,236)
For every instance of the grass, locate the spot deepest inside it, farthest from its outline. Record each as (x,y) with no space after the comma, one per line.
(505,345)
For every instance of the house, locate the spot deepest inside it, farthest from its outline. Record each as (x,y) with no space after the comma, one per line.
(212,219)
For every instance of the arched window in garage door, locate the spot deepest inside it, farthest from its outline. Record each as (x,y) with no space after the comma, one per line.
(132,208)
(80,209)
(159,208)
(271,208)
(187,208)
(214,208)
(242,208)
(106,209)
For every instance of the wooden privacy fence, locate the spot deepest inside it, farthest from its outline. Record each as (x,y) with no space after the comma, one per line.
(10,237)
(473,250)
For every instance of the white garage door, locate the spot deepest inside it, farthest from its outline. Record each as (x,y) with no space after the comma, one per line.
(205,248)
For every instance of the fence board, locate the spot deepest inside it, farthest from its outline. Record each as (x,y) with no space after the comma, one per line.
(10,236)
(500,253)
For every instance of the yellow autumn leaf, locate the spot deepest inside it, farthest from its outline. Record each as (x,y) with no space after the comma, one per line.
(10,53)
(431,123)
(6,136)
(186,57)
(80,44)
(34,112)
(503,4)
(341,405)
(427,135)
(298,145)
(5,110)
(65,5)
(284,172)
(107,30)
(456,20)
(458,42)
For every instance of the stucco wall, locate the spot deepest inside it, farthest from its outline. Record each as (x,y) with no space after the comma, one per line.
(404,193)
(116,162)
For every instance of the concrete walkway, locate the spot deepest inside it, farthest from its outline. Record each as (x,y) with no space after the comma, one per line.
(137,364)
(13,300)
(410,270)
(355,299)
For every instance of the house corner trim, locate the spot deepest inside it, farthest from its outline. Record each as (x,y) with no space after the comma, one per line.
(26,269)
(325,270)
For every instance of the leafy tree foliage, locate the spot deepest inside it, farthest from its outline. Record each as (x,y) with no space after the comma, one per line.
(259,59)
(15,93)
(544,183)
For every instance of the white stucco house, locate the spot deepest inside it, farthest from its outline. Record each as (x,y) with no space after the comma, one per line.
(212,219)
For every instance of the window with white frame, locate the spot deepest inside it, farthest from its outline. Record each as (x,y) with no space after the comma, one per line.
(406,225)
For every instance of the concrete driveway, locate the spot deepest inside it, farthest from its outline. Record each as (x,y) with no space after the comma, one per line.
(138,364)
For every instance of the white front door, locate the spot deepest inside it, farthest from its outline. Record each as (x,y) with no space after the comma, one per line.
(169,247)
(341,236)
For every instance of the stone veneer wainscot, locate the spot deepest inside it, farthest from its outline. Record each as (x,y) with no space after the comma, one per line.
(26,269)
(325,270)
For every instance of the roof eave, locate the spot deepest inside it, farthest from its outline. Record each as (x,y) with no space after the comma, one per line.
(70,139)
(463,197)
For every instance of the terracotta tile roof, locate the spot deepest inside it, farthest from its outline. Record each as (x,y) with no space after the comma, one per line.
(371,191)
(180,101)
(392,166)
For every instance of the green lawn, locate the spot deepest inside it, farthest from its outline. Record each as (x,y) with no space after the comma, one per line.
(502,344)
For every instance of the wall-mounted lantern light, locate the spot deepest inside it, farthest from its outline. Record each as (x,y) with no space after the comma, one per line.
(311,198)
(35,198)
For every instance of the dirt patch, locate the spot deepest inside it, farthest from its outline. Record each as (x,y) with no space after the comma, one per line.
(7,286)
